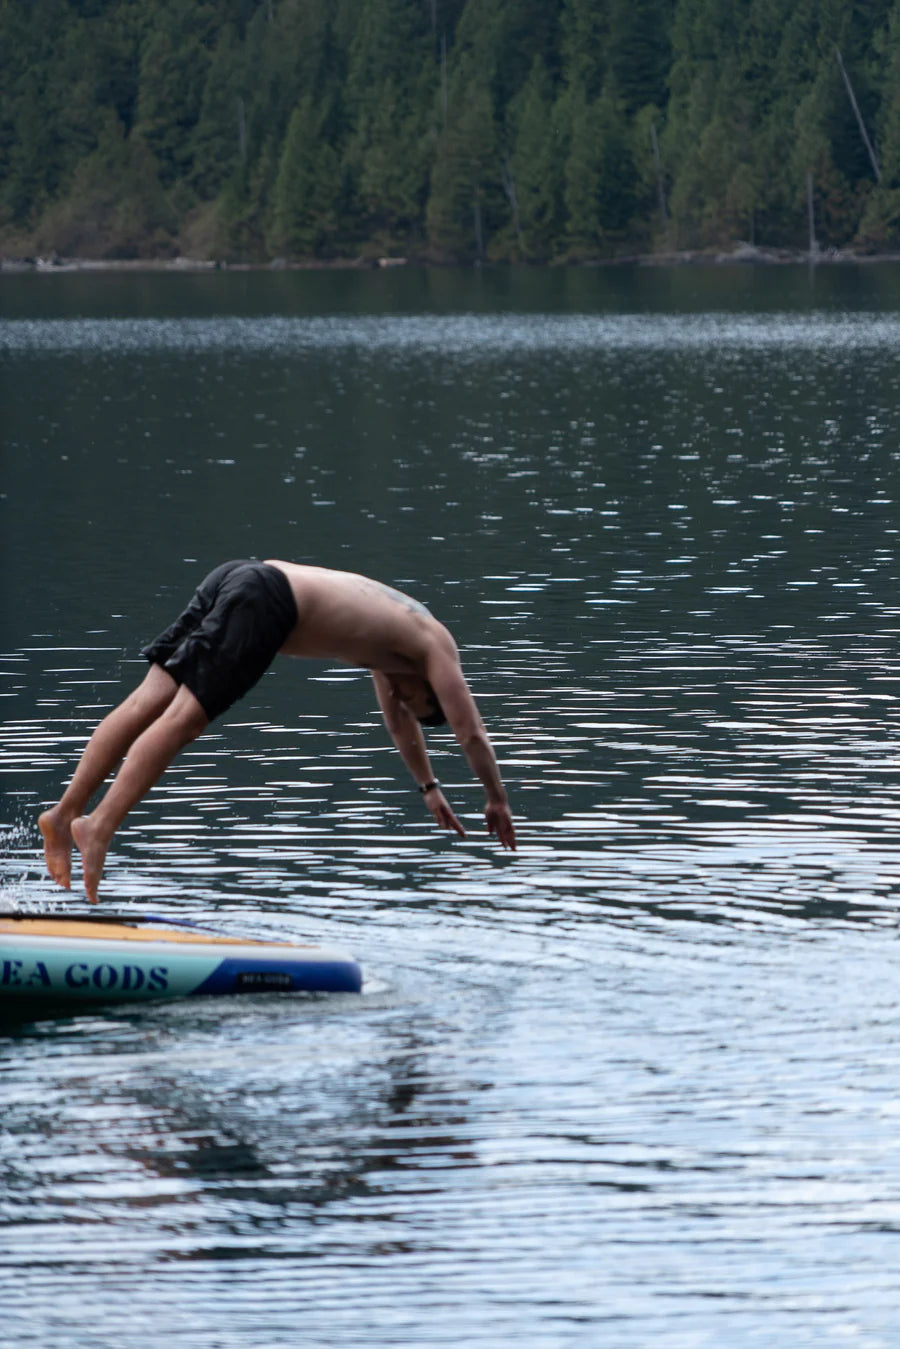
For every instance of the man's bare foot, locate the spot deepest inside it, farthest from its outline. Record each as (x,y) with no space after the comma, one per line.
(57,834)
(92,846)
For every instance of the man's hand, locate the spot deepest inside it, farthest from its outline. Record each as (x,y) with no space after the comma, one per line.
(442,811)
(499,822)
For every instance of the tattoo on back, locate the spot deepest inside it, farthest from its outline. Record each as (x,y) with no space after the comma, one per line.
(399,598)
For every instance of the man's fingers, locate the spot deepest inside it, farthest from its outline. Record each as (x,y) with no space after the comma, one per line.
(506,834)
(445,817)
(500,823)
(449,821)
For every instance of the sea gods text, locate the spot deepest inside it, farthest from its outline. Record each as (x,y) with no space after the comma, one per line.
(32,976)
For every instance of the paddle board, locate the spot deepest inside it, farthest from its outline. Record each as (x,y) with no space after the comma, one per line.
(82,957)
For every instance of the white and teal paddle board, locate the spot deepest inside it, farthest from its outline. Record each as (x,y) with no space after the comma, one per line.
(119,958)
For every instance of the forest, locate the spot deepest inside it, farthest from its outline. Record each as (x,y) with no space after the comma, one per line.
(537,131)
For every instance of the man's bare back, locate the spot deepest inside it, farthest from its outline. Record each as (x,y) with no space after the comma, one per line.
(348,617)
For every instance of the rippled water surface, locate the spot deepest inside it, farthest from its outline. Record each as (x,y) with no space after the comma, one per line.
(635,1085)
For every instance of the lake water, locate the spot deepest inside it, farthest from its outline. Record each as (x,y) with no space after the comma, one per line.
(635,1085)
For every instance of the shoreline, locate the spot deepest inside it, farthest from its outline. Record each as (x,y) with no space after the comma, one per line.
(742,254)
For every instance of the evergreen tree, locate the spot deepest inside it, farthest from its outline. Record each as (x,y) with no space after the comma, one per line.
(243,208)
(836,211)
(880,226)
(639,52)
(387,42)
(32,110)
(389,156)
(466,193)
(308,187)
(535,176)
(599,175)
(651,225)
(584,35)
(219,138)
(174,64)
(696,140)
(388,96)
(497,42)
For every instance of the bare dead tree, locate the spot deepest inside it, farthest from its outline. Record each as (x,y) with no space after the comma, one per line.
(811,215)
(444,77)
(660,185)
(242,129)
(859,118)
(478,226)
(509,187)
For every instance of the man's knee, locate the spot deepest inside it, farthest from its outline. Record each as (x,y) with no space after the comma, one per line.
(185,713)
(156,690)
(151,697)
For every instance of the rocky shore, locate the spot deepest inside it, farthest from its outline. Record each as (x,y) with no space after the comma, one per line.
(743,253)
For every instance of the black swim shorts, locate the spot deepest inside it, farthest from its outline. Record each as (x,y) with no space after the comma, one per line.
(228,636)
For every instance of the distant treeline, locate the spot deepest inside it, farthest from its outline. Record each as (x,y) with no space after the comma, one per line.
(531,130)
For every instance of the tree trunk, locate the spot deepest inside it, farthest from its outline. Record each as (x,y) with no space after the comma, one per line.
(862,126)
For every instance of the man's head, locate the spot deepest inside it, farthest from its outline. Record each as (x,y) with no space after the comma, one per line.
(419,697)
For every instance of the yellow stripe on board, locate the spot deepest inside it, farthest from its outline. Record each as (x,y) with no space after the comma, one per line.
(92,930)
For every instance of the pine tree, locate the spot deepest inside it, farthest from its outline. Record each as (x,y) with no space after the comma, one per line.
(836,212)
(465,198)
(307,191)
(535,174)
(584,28)
(388,97)
(174,65)
(880,226)
(599,175)
(32,117)
(390,158)
(639,51)
(243,224)
(219,137)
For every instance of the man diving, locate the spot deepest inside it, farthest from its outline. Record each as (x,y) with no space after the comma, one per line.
(240,617)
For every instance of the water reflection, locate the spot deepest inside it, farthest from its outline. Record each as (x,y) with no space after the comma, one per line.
(460,337)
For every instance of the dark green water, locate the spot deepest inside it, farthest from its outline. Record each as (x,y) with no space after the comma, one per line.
(635,1085)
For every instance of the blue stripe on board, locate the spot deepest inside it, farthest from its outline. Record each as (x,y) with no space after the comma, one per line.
(288,976)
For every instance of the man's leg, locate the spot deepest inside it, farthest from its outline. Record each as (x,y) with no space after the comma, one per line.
(149,757)
(104,751)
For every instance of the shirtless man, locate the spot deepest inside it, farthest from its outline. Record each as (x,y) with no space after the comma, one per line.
(239,618)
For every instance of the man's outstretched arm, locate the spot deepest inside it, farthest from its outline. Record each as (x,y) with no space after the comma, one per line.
(448,681)
(406,734)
